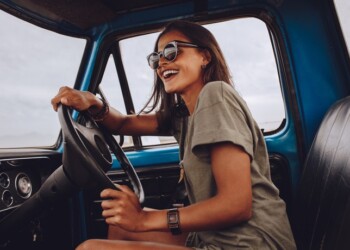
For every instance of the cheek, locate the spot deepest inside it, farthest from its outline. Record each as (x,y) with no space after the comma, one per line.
(195,66)
(194,71)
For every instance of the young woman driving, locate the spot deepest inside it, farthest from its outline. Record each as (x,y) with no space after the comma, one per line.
(233,203)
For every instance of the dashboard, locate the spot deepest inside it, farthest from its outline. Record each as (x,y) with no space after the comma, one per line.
(20,178)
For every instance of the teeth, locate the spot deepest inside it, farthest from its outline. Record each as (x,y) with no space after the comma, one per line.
(169,72)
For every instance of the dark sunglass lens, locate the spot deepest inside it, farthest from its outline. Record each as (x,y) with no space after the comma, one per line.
(170,52)
(153,60)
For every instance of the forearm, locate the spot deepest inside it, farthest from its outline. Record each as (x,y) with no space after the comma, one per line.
(211,214)
(115,121)
(118,123)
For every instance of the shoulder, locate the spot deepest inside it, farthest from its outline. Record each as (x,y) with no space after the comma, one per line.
(216,88)
(214,93)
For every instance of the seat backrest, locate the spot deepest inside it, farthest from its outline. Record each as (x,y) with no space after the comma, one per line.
(322,214)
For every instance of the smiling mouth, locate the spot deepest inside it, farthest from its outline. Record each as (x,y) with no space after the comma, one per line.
(169,73)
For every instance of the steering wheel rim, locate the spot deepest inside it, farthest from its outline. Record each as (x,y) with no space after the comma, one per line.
(92,145)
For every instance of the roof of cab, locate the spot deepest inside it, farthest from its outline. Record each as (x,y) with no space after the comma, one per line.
(80,16)
(86,17)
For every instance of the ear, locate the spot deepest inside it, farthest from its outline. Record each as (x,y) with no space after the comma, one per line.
(206,57)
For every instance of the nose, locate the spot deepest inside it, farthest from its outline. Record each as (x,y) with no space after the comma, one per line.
(162,61)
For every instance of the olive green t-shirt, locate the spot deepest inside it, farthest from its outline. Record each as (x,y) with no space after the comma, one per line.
(221,115)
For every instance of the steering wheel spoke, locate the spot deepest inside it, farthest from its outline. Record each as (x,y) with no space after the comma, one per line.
(92,145)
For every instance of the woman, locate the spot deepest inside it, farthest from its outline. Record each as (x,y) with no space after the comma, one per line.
(233,203)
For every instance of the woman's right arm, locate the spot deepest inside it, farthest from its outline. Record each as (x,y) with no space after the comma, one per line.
(115,121)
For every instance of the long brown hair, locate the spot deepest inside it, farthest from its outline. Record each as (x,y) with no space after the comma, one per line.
(216,70)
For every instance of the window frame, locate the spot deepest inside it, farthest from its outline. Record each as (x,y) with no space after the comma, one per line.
(282,64)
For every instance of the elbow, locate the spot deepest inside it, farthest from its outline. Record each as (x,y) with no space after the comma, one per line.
(246,208)
(243,214)
(246,214)
(237,210)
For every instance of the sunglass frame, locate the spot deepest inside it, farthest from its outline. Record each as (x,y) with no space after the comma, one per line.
(155,63)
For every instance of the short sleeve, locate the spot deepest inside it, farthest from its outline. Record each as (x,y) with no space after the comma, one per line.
(219,118)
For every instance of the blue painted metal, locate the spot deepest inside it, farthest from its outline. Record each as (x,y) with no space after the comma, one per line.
(318,76)
(285,143)
(151,157)
(91,63)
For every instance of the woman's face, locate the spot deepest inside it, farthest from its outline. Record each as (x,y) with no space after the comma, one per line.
(185,71)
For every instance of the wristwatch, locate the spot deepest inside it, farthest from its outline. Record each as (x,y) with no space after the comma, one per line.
(173,218)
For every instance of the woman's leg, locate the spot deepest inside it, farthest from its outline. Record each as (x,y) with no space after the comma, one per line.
(119,238)
(126,245)
(116,233)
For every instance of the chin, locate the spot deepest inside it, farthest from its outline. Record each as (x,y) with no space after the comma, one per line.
(170,90)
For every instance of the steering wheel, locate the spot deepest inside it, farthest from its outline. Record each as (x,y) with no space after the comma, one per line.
(86,158)
(91,145)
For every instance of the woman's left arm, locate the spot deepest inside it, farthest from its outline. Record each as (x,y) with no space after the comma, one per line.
(231,205)
(233,202)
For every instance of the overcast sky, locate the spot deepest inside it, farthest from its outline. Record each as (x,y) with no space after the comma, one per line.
(34,63)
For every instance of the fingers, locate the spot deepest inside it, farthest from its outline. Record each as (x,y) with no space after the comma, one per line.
(126,189)
(111,207)
(59,98)
(114,194)
(111,194)
(117,200)
(79,100)
(122,208)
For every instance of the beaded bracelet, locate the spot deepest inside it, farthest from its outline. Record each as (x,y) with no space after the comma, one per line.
(102,113)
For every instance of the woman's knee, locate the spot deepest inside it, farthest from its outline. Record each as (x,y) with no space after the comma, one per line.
(87,245)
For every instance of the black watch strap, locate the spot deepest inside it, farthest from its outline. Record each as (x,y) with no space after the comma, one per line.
(173,218)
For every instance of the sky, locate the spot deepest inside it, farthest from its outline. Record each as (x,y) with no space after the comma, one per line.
(34,63)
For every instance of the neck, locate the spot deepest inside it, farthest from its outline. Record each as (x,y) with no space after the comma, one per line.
(190,97)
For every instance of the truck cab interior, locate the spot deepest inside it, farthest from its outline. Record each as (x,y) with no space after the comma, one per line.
(289,61)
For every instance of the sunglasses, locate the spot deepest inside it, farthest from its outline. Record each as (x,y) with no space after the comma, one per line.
(169,52)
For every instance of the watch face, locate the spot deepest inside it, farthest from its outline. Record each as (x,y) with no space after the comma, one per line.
(174,221)
(173,218)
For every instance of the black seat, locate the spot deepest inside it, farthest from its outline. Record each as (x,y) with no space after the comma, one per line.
(322,215)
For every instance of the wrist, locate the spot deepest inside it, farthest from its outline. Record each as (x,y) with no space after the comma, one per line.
(99,113)
(96,104)
(154,220)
